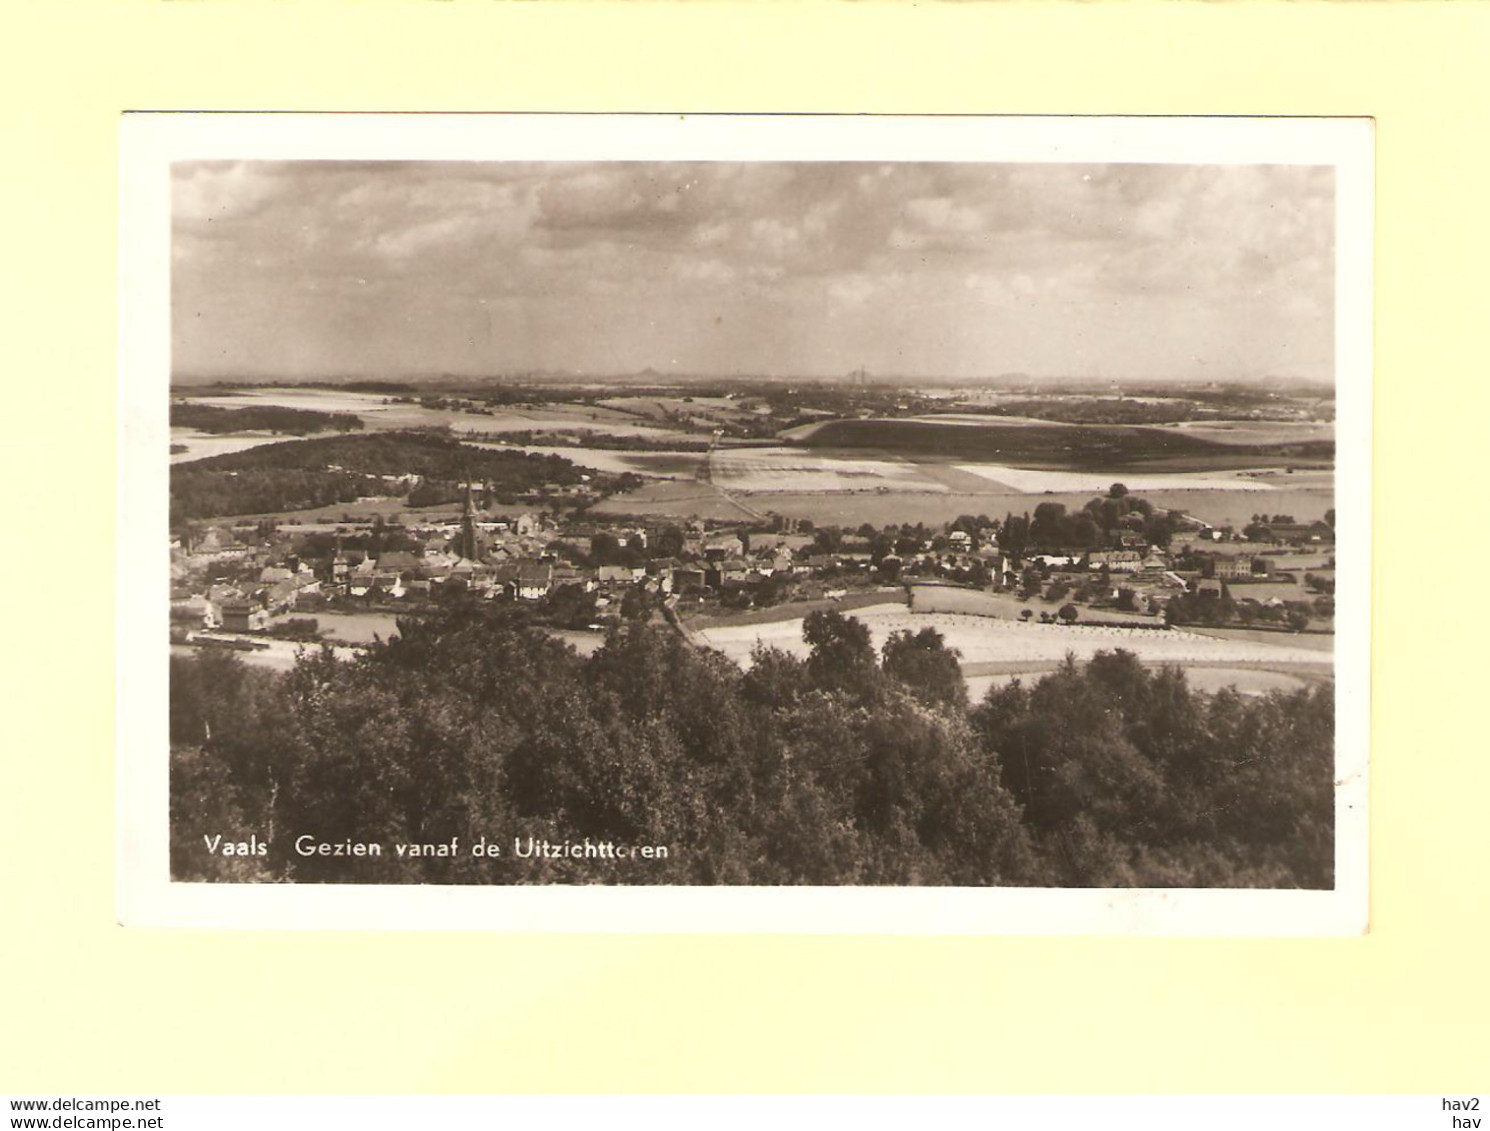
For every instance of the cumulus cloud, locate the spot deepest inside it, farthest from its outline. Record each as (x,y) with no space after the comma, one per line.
(707,271)
(205,191)
(943,214)
(918,268)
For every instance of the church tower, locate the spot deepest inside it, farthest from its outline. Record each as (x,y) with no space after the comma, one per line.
(468,547)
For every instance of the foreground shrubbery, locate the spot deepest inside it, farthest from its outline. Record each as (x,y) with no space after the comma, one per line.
(844,768)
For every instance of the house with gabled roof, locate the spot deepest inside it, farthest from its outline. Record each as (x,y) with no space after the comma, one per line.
(564,575)
(280,596)
(614,576)
(399,561)
(244,615)
(534,579)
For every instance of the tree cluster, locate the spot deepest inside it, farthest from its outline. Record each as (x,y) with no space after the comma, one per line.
(1095,526)
(1219,612)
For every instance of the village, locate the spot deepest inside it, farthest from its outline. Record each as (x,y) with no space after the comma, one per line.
(233,583)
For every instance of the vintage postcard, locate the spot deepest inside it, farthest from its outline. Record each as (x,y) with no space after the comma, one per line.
(730,523)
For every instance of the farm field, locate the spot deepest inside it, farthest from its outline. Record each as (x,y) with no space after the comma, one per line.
(1037,481)
(654,465)
(838,486)
(808,431)
(1318,642)
(1268,590)
(348,632)
(651,407)
(1248,681)
(355,628)
(990,640)
(675,499)
(378,414)
(662,407)
(769,470)
(1012,441)
(1236,432)
(982,603)
(1256,431)
(872,598)
(1235,508)
(314,400)
(200,445)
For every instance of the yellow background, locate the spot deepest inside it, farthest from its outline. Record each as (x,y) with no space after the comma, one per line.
(88,1007)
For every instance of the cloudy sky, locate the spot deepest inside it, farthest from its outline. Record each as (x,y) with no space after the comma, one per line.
(308,269)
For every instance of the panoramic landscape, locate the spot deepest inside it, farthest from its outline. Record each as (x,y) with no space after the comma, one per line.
(752,524)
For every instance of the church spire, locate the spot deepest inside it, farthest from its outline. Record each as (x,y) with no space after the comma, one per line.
(468,525)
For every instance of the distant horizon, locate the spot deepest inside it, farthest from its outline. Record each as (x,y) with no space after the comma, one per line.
(661,378)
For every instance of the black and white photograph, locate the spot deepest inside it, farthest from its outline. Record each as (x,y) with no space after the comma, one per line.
(949,508)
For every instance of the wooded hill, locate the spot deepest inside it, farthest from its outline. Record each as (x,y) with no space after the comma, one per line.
(298,474)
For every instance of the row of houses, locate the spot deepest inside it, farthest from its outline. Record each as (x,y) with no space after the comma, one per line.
(248,607)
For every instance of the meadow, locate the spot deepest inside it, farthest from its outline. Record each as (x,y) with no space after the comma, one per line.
(1261,432)
(201,445)
(983,640)
(356,628)
(1004,606)
(771,470)
(1317,642)
(680,499)
(654,465)
(805,432)
(1247,681)
(1036,481)
(664,408)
